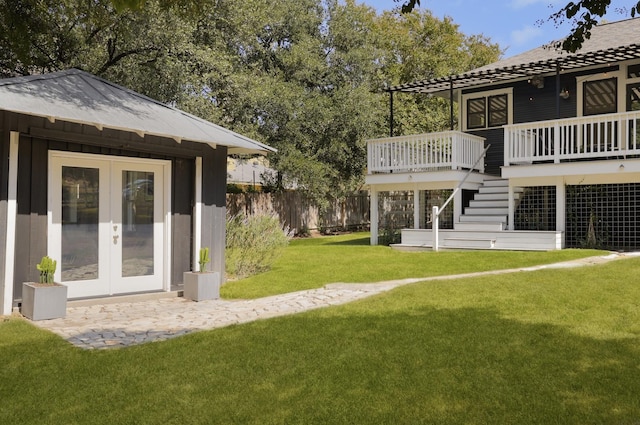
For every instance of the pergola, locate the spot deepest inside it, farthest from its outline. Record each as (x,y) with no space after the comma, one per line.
(551,60)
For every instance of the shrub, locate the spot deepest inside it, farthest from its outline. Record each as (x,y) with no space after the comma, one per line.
(389,231)
(253,243)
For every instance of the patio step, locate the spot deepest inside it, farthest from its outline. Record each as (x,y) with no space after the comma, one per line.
(468,243)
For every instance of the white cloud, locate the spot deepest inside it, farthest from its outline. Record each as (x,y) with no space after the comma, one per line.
(525,35)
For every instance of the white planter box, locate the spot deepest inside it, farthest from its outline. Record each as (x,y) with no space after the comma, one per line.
(201,286)
(44,301)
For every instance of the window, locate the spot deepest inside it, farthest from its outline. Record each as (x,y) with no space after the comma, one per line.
(633,71)
(633,97)
(600,97)
(476,113)
(497,110)
(487,111)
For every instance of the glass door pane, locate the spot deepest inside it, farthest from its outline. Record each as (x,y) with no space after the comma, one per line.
(80,206)
(137,223)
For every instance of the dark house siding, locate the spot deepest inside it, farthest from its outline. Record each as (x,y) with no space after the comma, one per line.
(531,104)
(38,136)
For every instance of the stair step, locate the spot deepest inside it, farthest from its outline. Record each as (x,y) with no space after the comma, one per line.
(487,211)
(489,203)
(493,189)
(496,182)
(497,196)
(475,226)
(469,243)
(483,218)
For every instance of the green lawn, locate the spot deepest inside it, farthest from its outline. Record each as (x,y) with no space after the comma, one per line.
(555,346)
(314,262)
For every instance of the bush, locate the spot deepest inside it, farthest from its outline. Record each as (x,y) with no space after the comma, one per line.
(253,243)
(390,232)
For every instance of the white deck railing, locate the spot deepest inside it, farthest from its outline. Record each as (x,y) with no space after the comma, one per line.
(448,150)
(596,136)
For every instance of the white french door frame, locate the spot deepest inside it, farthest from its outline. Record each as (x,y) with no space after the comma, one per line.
(107,284)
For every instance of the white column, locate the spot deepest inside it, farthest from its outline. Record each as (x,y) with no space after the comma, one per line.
(457,206)
(373,213)
(416,209)
(6,287)
(435,228)
(561,195)
(512,215)
(197,214)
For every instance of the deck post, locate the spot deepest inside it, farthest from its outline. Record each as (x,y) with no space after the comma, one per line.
(373,215)
(510,222)
(435,224)
(561,194)
(416,209)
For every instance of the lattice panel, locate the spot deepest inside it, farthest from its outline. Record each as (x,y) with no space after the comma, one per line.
(537,209)
(438,198)
(603,216)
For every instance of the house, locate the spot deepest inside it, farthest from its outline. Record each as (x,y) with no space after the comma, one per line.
(247,174)
(546,153)
(120,189)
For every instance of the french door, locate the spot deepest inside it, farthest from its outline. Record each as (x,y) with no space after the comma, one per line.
(107,223)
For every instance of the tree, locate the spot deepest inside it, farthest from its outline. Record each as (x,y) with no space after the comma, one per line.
(304,76)
(583,13)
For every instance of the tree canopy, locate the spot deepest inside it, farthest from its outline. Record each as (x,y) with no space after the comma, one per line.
(307,77)
(583,14)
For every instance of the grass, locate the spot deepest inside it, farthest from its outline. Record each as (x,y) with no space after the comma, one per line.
(314,262)
(554,346)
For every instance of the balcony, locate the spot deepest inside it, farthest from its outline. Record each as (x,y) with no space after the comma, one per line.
(448,150)
(609,136)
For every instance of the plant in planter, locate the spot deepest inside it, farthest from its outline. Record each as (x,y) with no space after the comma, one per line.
(44,299)
(202,285)
(204,259)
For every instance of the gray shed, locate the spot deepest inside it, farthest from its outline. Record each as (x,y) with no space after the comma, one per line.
(120,189)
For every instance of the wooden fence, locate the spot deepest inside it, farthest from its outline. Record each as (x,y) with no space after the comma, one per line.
(299,214)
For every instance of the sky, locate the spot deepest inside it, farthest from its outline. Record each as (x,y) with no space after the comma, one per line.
(513,24)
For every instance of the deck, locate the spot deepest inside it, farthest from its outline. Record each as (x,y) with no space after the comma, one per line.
(584,150)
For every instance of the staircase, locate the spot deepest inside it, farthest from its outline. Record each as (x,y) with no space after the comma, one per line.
(489,209)
(486,214)
(483,226)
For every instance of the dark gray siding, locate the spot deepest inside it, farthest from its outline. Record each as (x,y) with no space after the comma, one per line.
(214,205)
(532,104)
(183,173)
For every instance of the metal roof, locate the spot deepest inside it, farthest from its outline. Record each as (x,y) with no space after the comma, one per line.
(80,97)
(609,43)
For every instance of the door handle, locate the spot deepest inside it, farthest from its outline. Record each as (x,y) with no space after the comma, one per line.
(115,239)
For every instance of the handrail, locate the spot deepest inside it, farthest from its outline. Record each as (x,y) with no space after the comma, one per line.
(436,211)
(423,152)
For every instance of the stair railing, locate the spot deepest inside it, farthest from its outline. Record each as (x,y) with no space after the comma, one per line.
(436,211)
